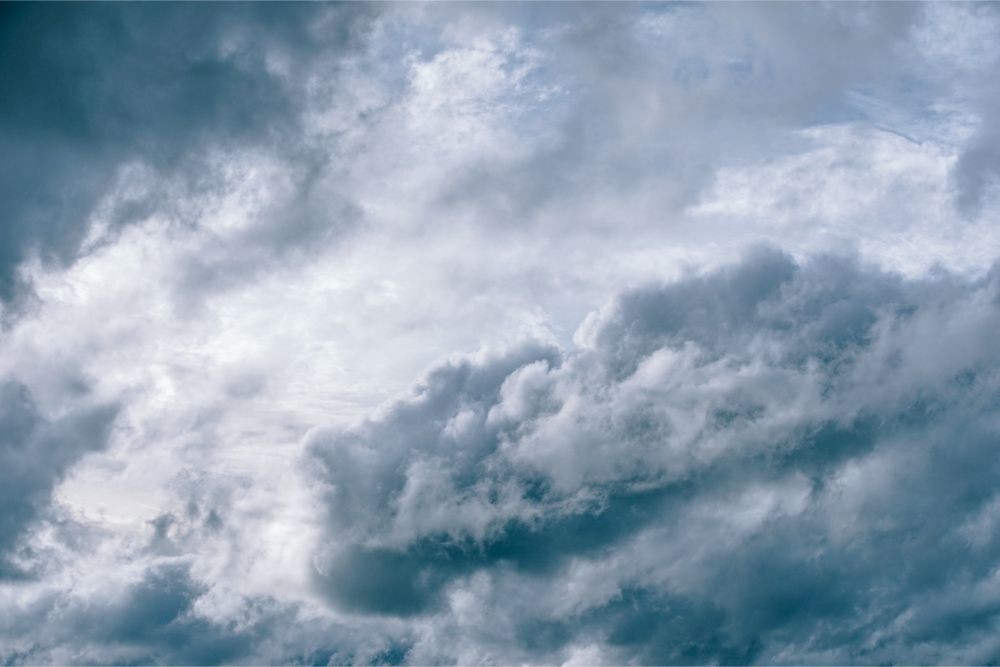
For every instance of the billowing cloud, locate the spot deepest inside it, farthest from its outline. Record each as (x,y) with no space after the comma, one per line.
(701,298)
(712,451)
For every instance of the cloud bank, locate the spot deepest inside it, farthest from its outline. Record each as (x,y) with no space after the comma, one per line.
(772,462)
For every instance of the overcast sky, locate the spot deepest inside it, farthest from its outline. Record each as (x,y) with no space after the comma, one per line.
(500,333)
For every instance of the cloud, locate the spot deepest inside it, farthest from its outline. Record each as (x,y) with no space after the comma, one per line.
(751,456)
(98,89)
(151,620)
(35,453)
(976,60)
(161,613)
(632,96)
(226,225)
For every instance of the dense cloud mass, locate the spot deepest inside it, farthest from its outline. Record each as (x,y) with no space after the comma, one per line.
(771,462)
(499,333)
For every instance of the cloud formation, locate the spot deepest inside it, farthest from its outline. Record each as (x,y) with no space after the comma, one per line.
(102,87)
(697,483)
(232,236)
(35,453)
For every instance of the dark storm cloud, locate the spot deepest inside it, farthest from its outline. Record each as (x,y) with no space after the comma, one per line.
(865,406)
(34,455)
(88,88)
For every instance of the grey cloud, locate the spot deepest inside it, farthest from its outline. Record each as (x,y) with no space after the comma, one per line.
(670,93)
(155,611)
(767,382)
(775,461)
(977,170)
(35,453)
(978,167)
(367,471)
(91,88)
(150,621)
(155,619)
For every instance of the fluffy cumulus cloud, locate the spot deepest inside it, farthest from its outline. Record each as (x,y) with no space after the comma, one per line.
(499,333)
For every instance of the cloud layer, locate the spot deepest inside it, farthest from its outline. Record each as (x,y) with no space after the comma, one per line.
(498,333)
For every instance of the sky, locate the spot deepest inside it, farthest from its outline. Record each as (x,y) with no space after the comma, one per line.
(499,333)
